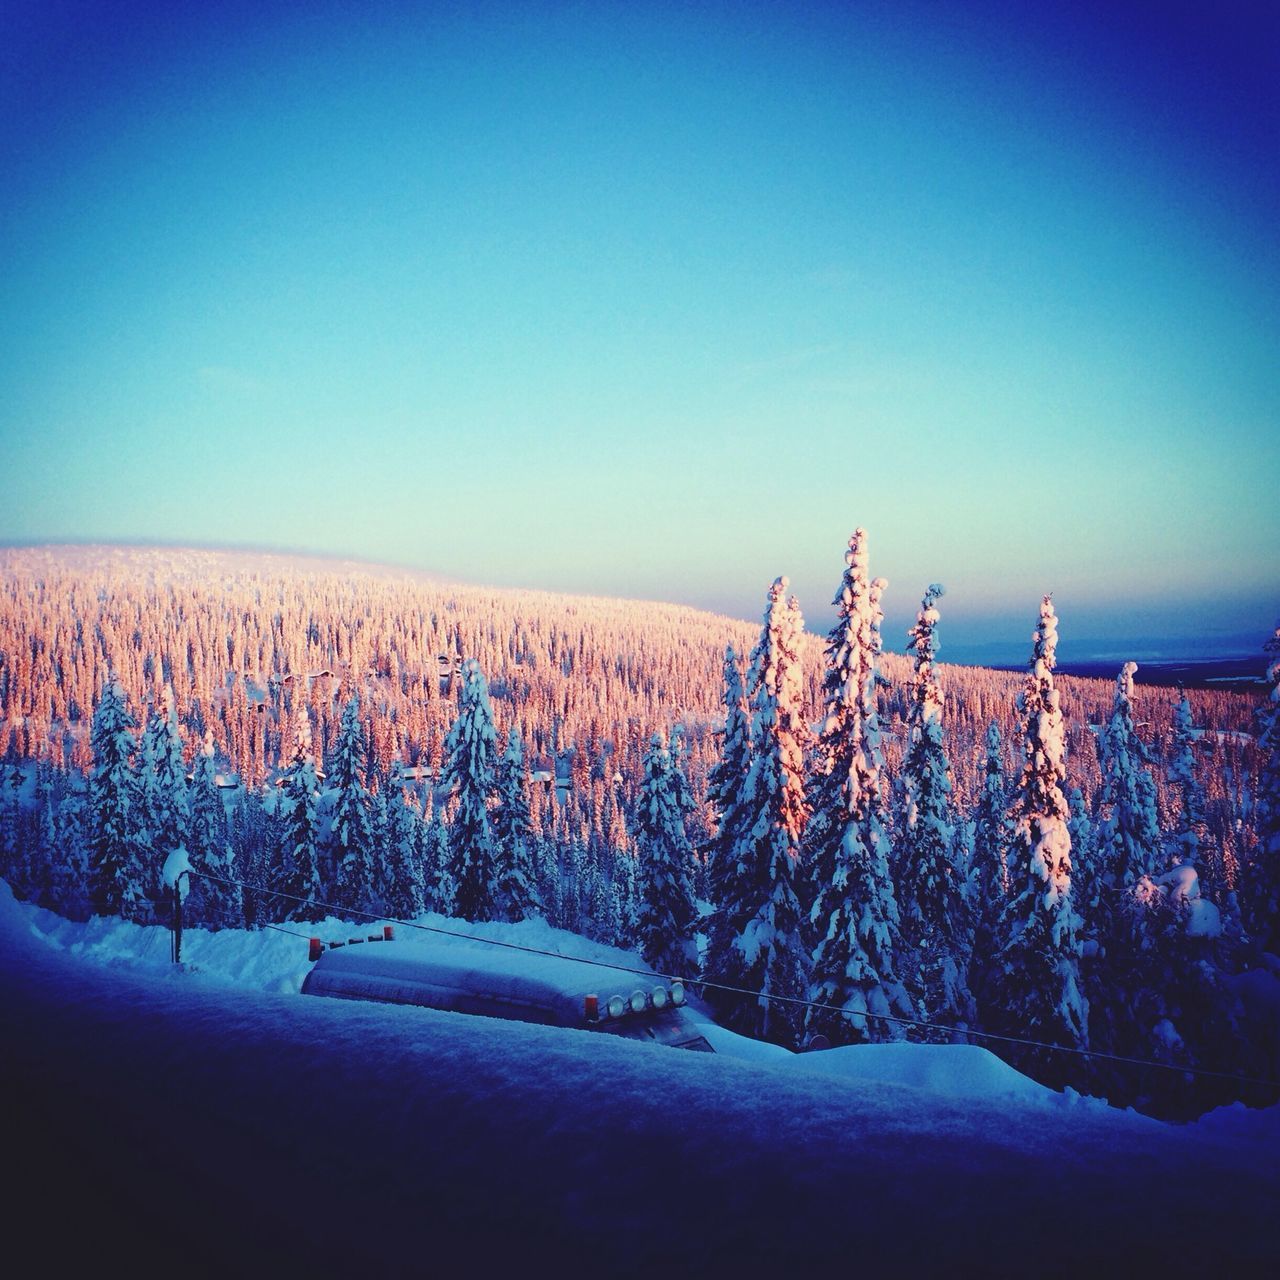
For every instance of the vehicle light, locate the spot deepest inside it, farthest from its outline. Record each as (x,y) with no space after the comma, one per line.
(659,997)
(677,993)
(638,1001)
(616,1007)
(591,1008)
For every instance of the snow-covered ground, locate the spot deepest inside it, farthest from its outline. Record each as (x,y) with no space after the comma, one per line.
(211,1120)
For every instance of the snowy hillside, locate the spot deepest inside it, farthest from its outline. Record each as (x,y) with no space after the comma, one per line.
(893,843)
(217,1119)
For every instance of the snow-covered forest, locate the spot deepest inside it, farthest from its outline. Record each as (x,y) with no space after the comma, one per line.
(1083,863)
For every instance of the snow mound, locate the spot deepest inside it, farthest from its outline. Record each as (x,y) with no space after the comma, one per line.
(949,1070)
(177,865)
(1240,1123)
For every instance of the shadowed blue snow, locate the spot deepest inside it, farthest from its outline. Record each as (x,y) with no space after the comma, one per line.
(659,300)
(237,1123)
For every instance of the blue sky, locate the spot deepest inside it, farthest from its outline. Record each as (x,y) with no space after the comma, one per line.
(661,301)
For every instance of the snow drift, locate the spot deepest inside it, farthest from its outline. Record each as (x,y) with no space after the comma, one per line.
(214,1126)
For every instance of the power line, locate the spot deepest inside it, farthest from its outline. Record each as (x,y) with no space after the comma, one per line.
(293,933)
(746,991)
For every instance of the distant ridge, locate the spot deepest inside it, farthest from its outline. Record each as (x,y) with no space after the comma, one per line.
(185,560)
(180,561)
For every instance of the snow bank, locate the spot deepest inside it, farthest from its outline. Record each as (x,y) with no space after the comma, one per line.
(266,960)
(326,1134)
(274,962)
(948,1070)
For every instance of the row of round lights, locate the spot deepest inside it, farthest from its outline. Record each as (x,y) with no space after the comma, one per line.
(620,1006)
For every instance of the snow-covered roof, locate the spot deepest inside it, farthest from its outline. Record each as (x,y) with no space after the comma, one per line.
(496,983)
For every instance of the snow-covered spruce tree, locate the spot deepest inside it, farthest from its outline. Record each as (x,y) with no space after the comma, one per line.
(550,879)
(28,853)
(401,891)
(48,847)
(22,791)
(163,813)
(295,870)
(213,903)
(1188,834)
(935,923)
(440,889)
(14,859)
(855,914)
(350,853)
(1125,1004)
(1192,843)
(515,893)
(112,796)
(1034,988)
(1260,887)
(667,912)
(1201,1021)
(988,876)
(686,806)
(759,917)
(728,777)
(601,923)
(469,778)
(62,842)
(1129,840)
(626,906)
(1084,860)
(254,853)
(574,882)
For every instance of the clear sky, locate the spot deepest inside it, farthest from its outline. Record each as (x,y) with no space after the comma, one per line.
(661,301)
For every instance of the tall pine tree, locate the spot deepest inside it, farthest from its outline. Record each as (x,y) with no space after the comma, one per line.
(162,816)
(727,781)
(760,917)
(468,778)
(351,843)
(931,887)
(440,889)
(401,890)
(667,914)
(213,902)
(988,876)
(1034,989)
(112,797)
(295,870)
(855,913)
(1125,1003)
(686,806)
(515,893)
(1188,834)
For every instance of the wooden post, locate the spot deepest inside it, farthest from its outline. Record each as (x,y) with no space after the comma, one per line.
(177,923)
